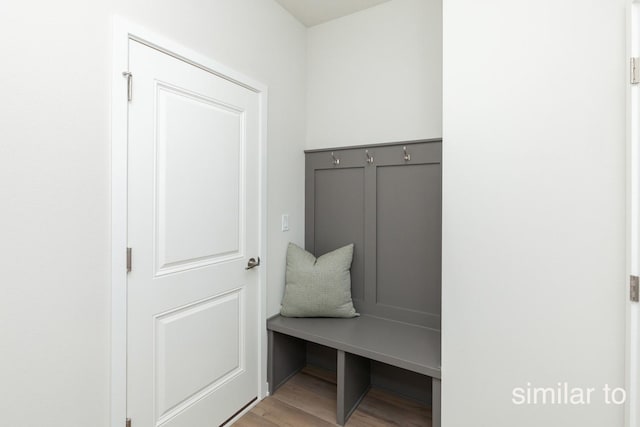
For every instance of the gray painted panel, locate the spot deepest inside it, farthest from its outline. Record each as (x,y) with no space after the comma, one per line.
(400,314)
(339,218)
(353,384)
(332,222)
(408,237)
(309,202)
(399,344)
(287,356)
(370,230)
(436,406)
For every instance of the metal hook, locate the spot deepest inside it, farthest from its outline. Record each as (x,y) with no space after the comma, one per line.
(336,161)
(369,157)
(407,156)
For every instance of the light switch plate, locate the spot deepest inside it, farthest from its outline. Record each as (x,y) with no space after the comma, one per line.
(285,222)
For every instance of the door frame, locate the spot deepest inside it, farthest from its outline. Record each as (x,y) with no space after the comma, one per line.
(125,31)
(632,351)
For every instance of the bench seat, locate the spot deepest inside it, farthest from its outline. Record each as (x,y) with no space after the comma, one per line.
(399,344)
(357,341)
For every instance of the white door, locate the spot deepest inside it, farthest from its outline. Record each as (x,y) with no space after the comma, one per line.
(192,339)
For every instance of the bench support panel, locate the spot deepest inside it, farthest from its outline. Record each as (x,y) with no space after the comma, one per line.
(287,356)
(436,403)
(354,380)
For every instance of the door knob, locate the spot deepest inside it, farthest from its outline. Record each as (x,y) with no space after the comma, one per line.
(252,263)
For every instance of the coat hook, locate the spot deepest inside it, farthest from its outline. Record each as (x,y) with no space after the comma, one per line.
(407,156)
(369,157)
(336,161)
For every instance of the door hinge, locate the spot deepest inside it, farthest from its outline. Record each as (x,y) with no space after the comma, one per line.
(635,70)
(128,422)
(129,260)
(129,78)
(634,293)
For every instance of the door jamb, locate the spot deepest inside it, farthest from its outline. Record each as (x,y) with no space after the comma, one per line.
(123,32)
(632,352)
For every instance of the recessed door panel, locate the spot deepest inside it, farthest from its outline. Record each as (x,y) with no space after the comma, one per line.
(200,143)
(188,340)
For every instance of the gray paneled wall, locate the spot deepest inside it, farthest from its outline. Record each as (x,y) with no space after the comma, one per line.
(387,200)
(408,237)
(339,217)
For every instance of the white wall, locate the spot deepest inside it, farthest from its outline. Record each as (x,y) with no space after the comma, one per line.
(376,75)
(533,270)
(534,208)
(55,174)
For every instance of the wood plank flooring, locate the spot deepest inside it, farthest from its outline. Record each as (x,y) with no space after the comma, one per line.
(309,399)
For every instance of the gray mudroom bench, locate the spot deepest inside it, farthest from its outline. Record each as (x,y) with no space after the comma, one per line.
(387,200)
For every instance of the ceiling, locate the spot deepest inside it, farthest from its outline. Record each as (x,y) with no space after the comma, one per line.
(314,12)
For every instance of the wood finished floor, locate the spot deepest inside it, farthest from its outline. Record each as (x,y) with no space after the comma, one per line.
(309,399)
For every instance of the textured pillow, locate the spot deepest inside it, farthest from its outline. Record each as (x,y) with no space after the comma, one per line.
(318,287)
